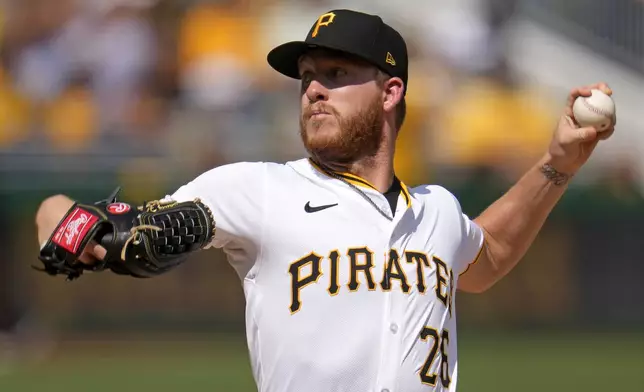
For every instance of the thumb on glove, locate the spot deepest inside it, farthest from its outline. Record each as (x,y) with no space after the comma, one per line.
(92,253)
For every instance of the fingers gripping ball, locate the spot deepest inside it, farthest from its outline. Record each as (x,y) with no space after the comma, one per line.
(140,241)
(596,111)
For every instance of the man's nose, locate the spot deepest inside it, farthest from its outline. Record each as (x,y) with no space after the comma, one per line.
(317,92)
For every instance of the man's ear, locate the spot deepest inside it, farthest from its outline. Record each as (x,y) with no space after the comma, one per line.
(393,93)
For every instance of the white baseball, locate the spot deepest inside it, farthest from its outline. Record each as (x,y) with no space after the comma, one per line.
(597,111)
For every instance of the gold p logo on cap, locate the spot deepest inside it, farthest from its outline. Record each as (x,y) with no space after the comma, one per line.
(323,20)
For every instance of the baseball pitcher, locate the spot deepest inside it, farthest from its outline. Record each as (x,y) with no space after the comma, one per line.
(349,275)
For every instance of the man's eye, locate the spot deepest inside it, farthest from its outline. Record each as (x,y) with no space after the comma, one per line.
(337,72)
(306,79)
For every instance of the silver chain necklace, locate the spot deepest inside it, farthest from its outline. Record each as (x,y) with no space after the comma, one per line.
(361,193)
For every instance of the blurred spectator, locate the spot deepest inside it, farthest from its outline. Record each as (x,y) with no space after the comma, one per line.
(71,120)
(471,47)
(38,47)
(122,55)
(218,49)
(14,114)
(109,42)
(493,122)
(220,65)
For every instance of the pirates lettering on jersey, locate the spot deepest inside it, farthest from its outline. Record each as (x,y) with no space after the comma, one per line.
(442,275)
(393,263)
(298,281)
(361,262)
(421,261)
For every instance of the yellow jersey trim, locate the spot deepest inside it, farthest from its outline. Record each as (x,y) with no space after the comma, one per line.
(405,193)
(358,181)
(478,256)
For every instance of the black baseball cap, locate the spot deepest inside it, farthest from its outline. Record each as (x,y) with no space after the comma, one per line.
(362,35)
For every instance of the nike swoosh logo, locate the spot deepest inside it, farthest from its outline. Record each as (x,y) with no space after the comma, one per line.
(309,209)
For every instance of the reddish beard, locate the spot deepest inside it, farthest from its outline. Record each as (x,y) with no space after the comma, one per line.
(360,135)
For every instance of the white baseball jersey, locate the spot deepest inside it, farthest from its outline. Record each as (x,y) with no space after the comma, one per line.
(340,298)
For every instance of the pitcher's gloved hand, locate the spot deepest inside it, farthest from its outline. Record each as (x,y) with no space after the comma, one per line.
(140,241)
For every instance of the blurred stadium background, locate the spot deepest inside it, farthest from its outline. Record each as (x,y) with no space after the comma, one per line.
(147,94)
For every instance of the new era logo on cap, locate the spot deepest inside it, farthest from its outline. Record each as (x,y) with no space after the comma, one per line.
(390,59)
(363,35)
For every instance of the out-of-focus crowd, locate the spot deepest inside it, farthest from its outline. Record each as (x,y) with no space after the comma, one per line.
(187,80)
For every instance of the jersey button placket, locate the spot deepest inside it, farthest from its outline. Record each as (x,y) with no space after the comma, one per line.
(393,339)
(393,308)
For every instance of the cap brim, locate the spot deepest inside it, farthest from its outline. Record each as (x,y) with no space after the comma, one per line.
(284,58)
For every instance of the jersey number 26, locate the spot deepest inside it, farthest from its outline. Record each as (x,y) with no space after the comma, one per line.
(438,341)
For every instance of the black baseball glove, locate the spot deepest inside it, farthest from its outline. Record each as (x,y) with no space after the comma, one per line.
(141,241)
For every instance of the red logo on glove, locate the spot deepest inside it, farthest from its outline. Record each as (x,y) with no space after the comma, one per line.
(73,230)
(118,208)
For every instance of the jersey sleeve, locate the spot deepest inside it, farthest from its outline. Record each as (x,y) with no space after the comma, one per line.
(470,239)
(471,245)
(235,193)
